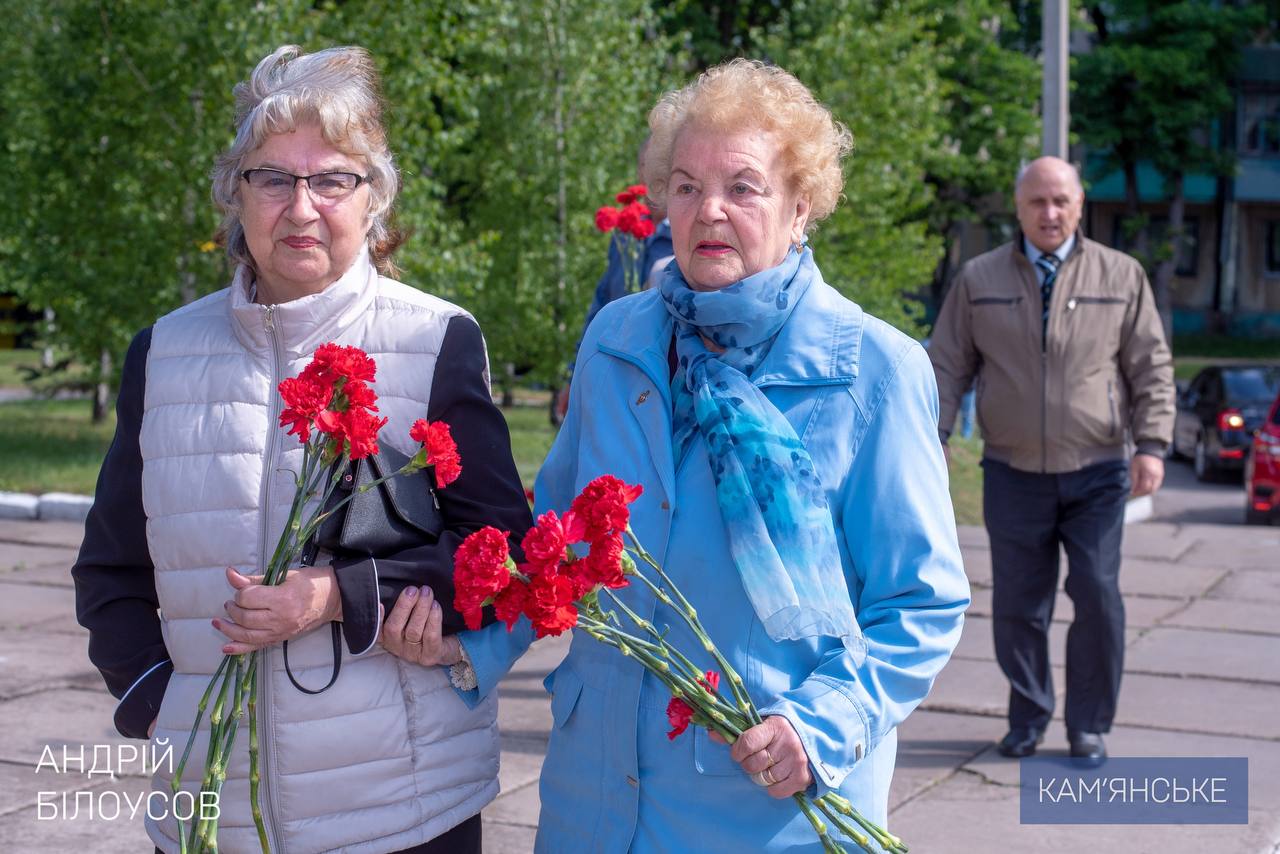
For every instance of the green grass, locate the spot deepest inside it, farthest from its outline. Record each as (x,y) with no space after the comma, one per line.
(51,446)
(11,360)
(966,479)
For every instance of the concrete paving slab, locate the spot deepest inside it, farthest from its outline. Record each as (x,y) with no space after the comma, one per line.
(977,567)
(1156,541)
(57,718)
(17,556)
(974,687)
(25,831)
(517,807)
(1205,652)
(1260,617)
(966,814)
(972,537)
(1249,585)
(1139,611)
(20,786)
(56,574)
(1142,577)
(1198,705)
(931,745)
(47,533)
(521,762)
(33,660)
(25,605)
(978,643)
(1235,547)
(501,838)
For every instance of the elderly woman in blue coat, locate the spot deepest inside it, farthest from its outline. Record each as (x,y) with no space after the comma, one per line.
(794,489)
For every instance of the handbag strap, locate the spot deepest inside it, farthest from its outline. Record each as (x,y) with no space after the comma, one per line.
(337,663)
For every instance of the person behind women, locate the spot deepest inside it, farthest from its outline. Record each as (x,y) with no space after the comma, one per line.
(794,488)
(197,484)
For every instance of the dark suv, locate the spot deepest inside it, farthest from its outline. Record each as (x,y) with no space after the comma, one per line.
(1218,412)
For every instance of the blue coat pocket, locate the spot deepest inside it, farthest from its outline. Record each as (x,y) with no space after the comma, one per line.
(565,686)
(712,759)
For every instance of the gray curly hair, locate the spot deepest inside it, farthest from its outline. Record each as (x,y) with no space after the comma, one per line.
(337,89)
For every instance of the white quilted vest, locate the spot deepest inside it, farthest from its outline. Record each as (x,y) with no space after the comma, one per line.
(387,758)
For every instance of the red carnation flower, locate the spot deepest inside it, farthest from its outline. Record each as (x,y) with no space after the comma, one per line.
(679,715)
(442,451)
(604,562)
(481,569)
(550,605)
(644,229)
(626,197)
(638,191)
(303,401)
(511,603)
(711,682)
(333,361)
(359,395)
(602,506)
(360,429)
(545,543)
(607,218)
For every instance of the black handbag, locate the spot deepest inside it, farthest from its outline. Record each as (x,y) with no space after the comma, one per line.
(394,515)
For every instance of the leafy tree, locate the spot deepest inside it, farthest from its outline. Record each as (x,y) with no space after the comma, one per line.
(1157,78)
(116,130)
(561,114)
(874,64)
(990,89)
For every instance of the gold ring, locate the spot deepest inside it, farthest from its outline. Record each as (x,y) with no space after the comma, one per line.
(759,779)
(414,643)
(769,756)
(768,775)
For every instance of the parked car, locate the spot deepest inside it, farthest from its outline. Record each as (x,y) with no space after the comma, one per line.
(1218,413)
(1262,471)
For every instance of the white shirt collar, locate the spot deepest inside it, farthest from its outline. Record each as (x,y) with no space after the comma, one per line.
(1033,254)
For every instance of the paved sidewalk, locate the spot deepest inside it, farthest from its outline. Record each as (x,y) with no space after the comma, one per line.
(1202,679)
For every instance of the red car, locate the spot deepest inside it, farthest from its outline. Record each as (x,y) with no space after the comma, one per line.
(1262,471)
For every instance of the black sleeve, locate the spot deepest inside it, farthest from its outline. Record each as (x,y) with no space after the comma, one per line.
(488,492)
(114,577)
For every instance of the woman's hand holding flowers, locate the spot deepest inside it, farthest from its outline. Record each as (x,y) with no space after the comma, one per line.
(261,615)
(413,630)
(772,751)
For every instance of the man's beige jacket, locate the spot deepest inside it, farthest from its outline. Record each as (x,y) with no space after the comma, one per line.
(1056,402)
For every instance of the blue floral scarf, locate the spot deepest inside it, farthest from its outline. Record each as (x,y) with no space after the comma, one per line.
(781,536)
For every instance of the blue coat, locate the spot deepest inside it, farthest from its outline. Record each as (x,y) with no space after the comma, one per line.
(862,397)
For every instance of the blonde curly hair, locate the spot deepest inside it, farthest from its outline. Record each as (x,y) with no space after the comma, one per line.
(746,94)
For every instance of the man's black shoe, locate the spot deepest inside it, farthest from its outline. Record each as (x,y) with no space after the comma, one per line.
(1018,743)
(1087,745)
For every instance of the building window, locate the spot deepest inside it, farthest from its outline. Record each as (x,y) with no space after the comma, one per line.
(1188,253)
(1273,248)
(1260,124)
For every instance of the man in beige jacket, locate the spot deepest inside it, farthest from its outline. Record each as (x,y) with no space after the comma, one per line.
(1072,372)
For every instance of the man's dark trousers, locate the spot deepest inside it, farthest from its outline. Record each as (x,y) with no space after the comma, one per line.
(1027,516)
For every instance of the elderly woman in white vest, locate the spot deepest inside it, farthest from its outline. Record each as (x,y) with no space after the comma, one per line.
(198,482)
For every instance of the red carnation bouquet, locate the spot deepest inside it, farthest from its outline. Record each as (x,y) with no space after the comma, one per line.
(559,590)
(332,410)
(630,225)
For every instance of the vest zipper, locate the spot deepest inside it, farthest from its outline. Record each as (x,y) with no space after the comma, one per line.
(265,745)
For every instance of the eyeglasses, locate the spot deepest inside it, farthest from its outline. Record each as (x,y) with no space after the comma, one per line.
(276,186)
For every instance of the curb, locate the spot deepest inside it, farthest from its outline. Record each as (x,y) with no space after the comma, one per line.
(51,506)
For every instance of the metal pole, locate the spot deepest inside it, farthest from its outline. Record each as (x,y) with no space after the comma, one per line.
(1053,100)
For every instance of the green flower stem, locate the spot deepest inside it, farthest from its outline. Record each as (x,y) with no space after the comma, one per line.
(690,617)
(829,845)
(838,805)
(255,777)
(719,715)
(847,827)
(209,829)
(649,627)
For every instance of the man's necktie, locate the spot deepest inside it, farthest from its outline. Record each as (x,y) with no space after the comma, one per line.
(1048,265)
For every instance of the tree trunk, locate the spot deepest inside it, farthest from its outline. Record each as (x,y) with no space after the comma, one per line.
(556,44)
(1134,224)
(1162,284)
(102,389)
(509,385)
